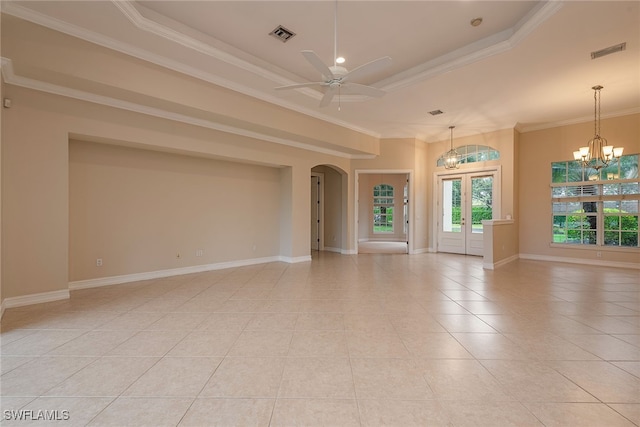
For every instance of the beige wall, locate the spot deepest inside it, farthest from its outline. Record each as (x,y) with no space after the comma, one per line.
(418,200)
(35,202)
(499,241)
(138,209)
(538,150)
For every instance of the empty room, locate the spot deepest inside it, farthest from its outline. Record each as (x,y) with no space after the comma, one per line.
(320,213)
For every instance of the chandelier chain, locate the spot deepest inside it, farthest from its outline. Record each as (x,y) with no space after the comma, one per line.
(596,112)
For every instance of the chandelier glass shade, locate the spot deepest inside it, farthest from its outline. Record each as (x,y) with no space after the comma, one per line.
(451,158)
(598,153)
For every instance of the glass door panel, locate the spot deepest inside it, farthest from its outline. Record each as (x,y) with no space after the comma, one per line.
(451,205)
(451,234)
(464,201)
(481,201)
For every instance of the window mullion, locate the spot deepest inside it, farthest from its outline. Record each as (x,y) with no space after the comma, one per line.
(600,224)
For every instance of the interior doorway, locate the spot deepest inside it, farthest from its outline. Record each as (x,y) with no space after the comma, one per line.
(383,211)
(464,200)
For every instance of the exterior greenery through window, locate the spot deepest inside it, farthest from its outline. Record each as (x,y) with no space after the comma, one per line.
(481,204)
(383,208)
(405,204)
(472,154)
(599,208)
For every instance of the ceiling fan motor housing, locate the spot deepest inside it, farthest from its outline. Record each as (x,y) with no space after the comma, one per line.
(338,71)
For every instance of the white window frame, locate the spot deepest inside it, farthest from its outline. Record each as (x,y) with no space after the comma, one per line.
(390,204)
(599,198)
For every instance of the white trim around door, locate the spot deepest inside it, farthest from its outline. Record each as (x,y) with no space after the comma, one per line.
(411,196)
(452,191)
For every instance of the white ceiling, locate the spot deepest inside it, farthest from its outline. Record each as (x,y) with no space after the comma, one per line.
(527,65)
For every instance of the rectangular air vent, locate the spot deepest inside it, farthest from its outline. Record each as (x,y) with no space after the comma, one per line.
(608,50)
(435,112)
(282,34)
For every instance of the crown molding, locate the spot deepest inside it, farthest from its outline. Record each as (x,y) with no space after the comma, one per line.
(542,126)
(11,8)
(492,45)
(10,77)
(143,23)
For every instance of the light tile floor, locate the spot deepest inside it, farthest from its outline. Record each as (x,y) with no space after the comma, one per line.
(422,340)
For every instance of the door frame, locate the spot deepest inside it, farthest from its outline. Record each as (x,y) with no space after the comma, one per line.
(410,196)
(497,194)
(320,177)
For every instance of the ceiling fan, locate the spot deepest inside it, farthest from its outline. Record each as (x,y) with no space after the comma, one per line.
(337,79)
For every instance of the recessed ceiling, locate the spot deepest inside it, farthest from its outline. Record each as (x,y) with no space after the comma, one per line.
(527,65)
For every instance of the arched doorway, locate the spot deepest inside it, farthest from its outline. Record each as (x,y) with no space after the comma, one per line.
(328,206)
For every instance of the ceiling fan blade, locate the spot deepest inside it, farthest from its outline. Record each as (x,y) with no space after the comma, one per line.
(328,96)
(368,68)
(358,89)
(317,63)
(299,85)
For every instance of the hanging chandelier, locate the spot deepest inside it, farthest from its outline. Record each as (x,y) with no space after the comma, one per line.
(451,158)
(598,154)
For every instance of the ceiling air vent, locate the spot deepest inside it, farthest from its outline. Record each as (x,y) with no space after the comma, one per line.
(282,34)
(435,112)
(608,50)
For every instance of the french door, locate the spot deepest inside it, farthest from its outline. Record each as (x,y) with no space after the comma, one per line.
(464,200)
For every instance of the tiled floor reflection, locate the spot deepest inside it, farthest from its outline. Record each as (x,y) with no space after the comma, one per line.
(370,339)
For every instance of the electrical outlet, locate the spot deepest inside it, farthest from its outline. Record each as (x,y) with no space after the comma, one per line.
(99,262)
(199,252)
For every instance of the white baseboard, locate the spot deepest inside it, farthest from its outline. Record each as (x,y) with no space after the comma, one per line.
(305,258)
(339,250)
(420,251)
(494,265)
(332,249)
(600,263)
(127,278)
(34,299)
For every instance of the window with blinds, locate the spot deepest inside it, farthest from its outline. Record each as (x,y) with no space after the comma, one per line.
(597,208)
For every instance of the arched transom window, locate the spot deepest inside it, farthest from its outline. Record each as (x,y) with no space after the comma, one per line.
(472,154)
